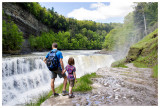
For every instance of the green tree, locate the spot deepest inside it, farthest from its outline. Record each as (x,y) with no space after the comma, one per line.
(12,38)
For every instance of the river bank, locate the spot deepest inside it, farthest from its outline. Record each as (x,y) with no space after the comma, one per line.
(130,86)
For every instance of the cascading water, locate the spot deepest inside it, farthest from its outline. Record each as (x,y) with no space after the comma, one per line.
(20,75)
(24,78)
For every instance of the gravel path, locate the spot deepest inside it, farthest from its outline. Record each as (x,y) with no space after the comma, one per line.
(118,86)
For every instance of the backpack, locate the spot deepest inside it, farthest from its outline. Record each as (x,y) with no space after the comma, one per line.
(52,61)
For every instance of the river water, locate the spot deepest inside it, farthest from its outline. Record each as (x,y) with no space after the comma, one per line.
(24,77)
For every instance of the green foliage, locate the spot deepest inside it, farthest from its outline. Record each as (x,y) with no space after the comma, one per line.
(155,71)
(84,83)
(120,37)
(147,40)
(44,41)
(32,41)
(119,63)
(86,39)
(149,10)
(12,38)
(148,60)
(109,42)
(145,51)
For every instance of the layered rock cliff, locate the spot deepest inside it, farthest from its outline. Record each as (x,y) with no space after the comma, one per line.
(25,21)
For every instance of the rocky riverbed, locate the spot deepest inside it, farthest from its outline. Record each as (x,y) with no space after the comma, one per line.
(130,86)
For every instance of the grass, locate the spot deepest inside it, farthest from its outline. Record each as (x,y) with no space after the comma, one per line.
(149,38)
(119,63)
(144,47)
(42,97)
(83,84)
(146,61)
(155,71)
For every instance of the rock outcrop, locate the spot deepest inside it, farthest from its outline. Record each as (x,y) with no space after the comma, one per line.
(25,21)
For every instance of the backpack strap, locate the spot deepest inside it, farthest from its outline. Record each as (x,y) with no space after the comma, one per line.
(54,51)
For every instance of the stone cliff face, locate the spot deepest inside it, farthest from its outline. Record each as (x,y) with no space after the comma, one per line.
(25,21)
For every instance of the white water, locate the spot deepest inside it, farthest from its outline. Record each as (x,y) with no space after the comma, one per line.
(25,77)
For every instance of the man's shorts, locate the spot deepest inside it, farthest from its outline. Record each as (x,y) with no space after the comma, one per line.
(59,71)
(71,83)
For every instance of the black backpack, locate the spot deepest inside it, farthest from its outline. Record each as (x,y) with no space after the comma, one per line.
(52,61)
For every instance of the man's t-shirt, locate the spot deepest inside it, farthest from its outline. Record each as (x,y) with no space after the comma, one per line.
(59,56)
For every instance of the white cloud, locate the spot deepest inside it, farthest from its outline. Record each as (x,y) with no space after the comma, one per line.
(97,5)
(102,11)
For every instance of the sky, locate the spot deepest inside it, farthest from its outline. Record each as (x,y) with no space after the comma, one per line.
(103,12)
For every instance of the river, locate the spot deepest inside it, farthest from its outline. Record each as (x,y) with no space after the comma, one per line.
(24,77)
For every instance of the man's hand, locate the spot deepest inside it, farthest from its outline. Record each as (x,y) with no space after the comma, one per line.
(45,60)
(61,62)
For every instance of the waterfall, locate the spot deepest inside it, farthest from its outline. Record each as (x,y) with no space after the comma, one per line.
(20,75)
(24,78)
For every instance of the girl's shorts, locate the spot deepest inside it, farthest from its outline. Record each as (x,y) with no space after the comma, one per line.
(71,83)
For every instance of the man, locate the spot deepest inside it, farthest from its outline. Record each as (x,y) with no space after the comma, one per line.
(59,71)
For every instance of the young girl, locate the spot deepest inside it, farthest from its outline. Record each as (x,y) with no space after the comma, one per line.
(71,75)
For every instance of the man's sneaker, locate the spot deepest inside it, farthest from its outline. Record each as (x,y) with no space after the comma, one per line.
(64,93)
(71,96)
(55,94)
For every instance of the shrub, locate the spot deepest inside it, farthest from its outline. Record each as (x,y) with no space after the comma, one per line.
(12,38)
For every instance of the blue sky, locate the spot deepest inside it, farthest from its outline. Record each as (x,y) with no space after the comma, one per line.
(104,12)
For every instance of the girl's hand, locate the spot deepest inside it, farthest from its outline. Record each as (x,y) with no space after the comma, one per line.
(63,71)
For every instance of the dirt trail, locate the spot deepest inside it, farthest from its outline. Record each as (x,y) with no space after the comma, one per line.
(118,86)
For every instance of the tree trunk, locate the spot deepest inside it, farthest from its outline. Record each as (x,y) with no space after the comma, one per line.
(144,18)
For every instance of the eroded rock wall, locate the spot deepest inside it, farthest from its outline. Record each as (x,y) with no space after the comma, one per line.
(26,22)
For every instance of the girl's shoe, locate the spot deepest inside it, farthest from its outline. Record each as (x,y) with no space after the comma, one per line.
(71,96)
(64,93)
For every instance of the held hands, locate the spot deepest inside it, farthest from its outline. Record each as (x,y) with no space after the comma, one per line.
(62,72)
